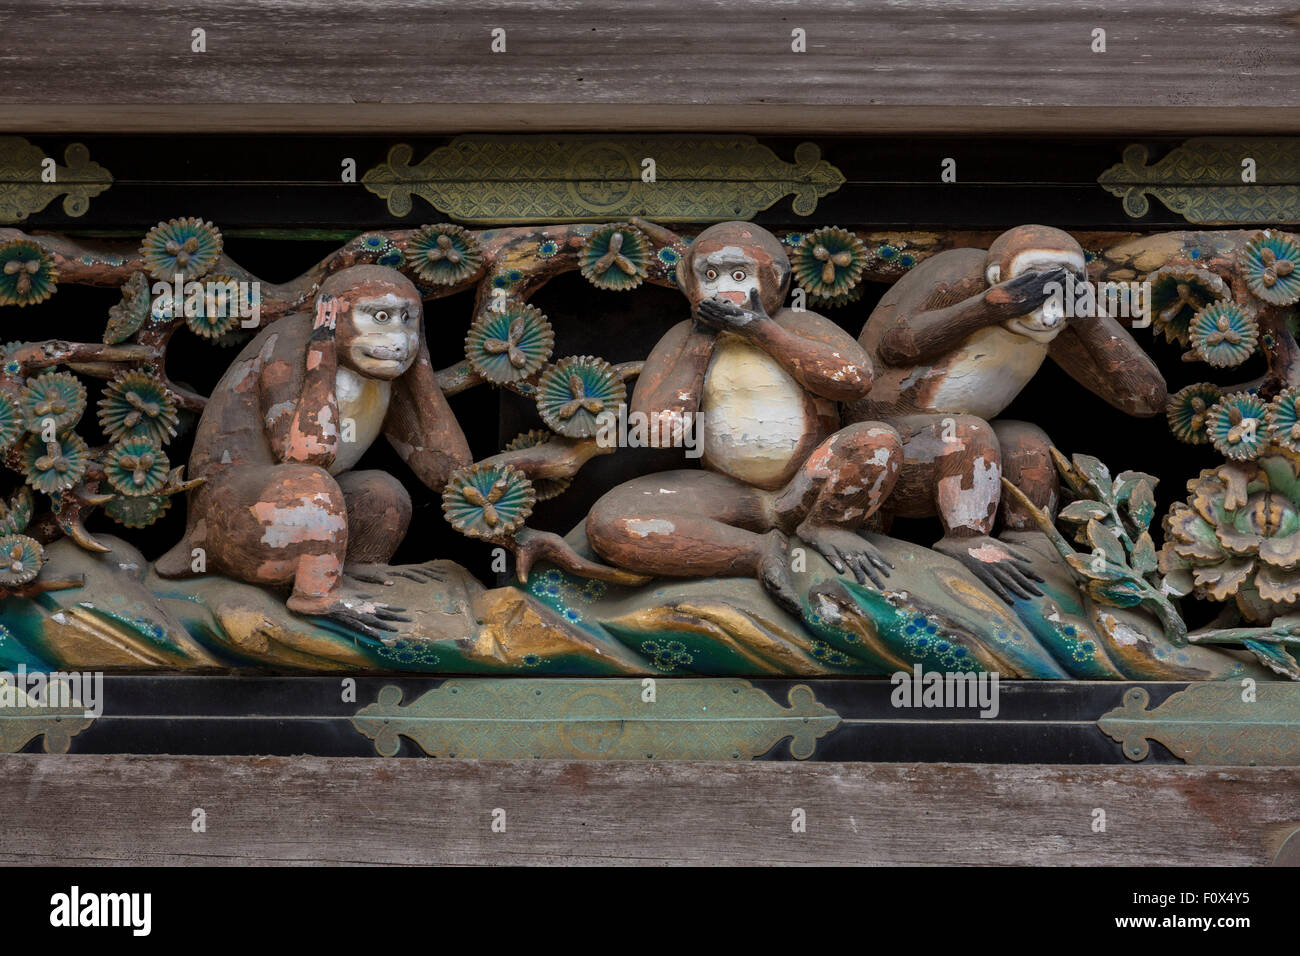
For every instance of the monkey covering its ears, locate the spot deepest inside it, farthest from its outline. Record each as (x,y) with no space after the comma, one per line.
(284,426)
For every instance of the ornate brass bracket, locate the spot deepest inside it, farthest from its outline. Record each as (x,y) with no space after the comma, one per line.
(24,721)
(496,179)
(23,186)
(597,720)
(1201,180)
(1213,723)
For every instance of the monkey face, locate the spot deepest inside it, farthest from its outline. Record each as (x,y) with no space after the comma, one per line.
(379,336)
(729,273)
(1028,249)
(732,260)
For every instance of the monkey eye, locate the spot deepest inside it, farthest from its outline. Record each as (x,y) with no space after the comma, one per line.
(739,275)
(711,274)
(381,316)
(405,316)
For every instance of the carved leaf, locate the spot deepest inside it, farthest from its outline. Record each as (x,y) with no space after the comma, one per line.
(1142,503)
(1083,511)
(1096,474)
(1104,539)
(1143,558)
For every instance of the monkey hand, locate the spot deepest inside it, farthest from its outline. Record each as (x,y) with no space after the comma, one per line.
(723,315)
(847,552)
(1005,572)
(327,317)
(1026,292)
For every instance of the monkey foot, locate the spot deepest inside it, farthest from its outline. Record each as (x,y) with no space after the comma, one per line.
(775,575)
(385,573)
(1007,573)
(532,546)
(847,552)
(361,612)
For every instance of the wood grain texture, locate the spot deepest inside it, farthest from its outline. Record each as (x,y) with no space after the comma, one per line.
(656,64)
(137,810)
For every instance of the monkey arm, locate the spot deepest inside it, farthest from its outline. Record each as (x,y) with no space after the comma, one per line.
(671,383)
(1104,358)
(921,334)
(821,356)
(929,335)
(421,427)
(308,435)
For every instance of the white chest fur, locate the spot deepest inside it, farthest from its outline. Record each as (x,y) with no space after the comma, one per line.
(987,373)
(753,413)
(364,403)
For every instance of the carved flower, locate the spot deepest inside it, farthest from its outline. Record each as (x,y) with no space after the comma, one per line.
(510,345)
(55,465)
(138,405)
(136,467)
(217,314)
(488,501)
(544,488)
(1237,426)
(573,392)
(1188,409)
(137,512)
(16,513)
(1238,536)
(1284,419)
(126,317)
(21,559)
(1223,334)
(185,247)
(54,395)
(615,257)
(1179,292)
(11,422)
(27,273)
(1269,262)
(829,262)
(848,298)
(444,254)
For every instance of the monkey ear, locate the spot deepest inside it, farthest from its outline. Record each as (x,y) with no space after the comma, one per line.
(993,274)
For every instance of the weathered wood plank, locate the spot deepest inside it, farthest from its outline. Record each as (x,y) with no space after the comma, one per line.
(868,65)
(138,810)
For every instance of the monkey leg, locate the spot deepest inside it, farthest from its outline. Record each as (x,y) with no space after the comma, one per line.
(952,467)
(273,525)
(681,524)
(379,512)
(842,484)
(284,525)
(693,524)
(1027,464)
(844,480)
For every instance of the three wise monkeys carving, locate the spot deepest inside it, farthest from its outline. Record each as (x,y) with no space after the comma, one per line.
(806,433)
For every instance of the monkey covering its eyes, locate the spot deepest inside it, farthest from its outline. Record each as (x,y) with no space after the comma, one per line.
(284,426)
(954,342)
